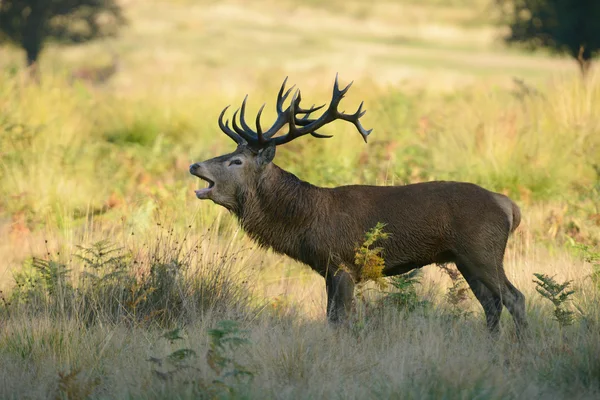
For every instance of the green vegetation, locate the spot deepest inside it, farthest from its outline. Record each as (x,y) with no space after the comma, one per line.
(166,282)
(403,296)
(117,282)
(558,294)
(181,367)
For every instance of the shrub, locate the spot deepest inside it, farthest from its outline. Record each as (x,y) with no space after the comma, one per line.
(168,284)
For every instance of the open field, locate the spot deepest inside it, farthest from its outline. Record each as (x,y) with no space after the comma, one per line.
(94,184)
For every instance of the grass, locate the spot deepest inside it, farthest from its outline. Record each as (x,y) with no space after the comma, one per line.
(411,355)
(116,282)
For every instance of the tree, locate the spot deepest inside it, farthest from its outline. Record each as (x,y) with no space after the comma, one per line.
(563,26)
(29,23)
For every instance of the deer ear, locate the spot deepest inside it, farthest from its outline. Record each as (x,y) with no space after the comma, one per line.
(266,155)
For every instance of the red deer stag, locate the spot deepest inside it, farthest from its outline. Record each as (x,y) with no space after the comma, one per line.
(433,222)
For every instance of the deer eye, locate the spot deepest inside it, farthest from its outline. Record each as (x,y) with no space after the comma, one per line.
(236,162)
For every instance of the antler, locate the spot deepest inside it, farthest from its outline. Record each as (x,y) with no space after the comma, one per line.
(297,126)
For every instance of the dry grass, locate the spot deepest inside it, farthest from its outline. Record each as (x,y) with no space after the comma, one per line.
(81,164)
(293,353)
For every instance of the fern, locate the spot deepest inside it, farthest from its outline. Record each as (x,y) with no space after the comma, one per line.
(558,294)
(368,259)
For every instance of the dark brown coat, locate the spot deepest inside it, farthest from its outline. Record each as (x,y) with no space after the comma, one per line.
(433,222)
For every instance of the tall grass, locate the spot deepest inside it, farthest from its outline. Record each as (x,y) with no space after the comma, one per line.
(164,282)
(116,282)
(92,317)
(68,152)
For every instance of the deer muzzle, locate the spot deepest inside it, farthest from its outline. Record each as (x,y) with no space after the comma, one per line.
(197,169)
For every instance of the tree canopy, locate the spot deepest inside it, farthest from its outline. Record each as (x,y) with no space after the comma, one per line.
(564,26)
(29,23)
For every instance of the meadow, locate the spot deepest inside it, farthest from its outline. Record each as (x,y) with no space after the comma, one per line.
(116,282)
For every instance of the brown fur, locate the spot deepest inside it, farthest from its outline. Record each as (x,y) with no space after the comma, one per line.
(433,222)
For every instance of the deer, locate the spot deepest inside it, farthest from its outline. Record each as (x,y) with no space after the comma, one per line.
(434,222)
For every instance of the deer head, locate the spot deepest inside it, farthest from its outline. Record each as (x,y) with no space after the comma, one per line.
(232,175)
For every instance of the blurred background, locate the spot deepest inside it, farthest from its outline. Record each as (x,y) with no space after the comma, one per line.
(189,46)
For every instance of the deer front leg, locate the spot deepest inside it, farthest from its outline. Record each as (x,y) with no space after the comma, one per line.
(340,296)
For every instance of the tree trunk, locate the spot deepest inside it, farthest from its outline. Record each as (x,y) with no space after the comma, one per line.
(32,63)
(585,67)
(33,38)
(584,59)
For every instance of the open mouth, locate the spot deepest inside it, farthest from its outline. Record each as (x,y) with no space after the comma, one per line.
(203,193)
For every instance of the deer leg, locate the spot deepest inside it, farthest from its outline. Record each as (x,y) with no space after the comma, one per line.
(514,300)
(491,303)
(340,296)
(494,278)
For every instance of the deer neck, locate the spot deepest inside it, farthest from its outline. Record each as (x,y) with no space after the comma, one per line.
(280,210)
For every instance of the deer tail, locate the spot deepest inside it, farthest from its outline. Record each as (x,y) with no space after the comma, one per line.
(512,211)
(516,217)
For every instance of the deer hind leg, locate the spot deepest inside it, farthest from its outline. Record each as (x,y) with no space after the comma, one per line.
(491,303)
(340,296)
(491,274)
(514,300)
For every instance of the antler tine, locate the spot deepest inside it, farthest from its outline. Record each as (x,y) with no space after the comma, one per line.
(248,136)
(282,97)
(336,88)
(319,136)
(259,132)
(280,94)
(305,121)
(283,116)
(307,111)
(246,127)
(310,110)
(338,94)
(360,112)
(293,130)
(225,128)
(354,118)
(236,128)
